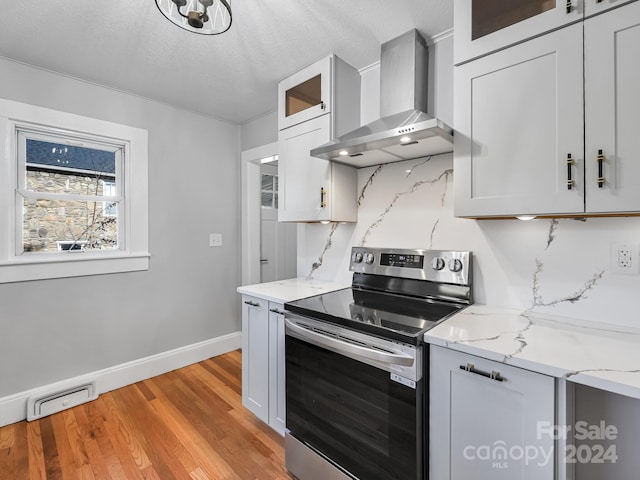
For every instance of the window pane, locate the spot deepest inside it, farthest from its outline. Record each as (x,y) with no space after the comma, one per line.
(109,190)
(267,182)
(50,225)
(60,168)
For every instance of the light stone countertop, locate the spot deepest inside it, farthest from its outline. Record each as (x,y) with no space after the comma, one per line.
(282,291)
(594,354)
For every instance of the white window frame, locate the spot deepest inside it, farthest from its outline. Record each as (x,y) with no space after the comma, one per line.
(132,253)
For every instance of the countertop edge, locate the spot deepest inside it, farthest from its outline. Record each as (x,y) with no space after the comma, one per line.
(496,327)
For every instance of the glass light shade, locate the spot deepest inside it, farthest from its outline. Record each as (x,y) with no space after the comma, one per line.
(206,17)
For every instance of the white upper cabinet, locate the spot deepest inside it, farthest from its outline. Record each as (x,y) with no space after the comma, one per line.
(317,104)
(485,26)
(518,116)
(313,189)
(612,104)
(305,94)
(549,126)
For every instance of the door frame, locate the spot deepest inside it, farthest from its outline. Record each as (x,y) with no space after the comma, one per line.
(250,177)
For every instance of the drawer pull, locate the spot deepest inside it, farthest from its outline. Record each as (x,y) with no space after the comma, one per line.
(570,181)
(275,310)
(600,159)
(494,375)
(252,304)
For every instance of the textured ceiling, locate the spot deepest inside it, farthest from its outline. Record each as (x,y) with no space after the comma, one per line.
(130,46)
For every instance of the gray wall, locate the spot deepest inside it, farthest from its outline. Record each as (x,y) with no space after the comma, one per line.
(260,131)
(56,329)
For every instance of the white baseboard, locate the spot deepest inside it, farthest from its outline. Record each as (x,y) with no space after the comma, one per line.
(13,408)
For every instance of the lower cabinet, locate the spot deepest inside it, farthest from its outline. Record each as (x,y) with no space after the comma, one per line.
(263,384)
(488,420)
(276,368)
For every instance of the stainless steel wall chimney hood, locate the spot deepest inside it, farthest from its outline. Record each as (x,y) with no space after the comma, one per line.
(405,130)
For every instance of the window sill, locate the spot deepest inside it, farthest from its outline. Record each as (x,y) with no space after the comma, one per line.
(71,265)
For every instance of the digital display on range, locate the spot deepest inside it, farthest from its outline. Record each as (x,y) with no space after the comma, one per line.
(401,260)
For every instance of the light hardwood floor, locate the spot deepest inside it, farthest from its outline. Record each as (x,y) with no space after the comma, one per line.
(187,424)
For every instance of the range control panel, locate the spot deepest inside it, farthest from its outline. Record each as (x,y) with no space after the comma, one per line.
(443,266)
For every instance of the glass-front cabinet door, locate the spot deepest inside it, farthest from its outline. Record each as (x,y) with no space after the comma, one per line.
(305,94)
(484,26)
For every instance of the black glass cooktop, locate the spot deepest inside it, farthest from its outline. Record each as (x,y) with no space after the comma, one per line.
(397,317)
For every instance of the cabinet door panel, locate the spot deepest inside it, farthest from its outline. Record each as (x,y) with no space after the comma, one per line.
(612,102)
(302,176)
(255,356)
(510,107)
(497,24)
(479,426)
(277,405)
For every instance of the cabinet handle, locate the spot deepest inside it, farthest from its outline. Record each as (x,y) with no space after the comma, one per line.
(275,310)
(569,6)
(323,192)
(323,106)
(600,159)
(570,181)
(252,304)
(494,375)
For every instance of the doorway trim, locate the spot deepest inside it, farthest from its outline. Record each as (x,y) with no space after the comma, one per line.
(250,175)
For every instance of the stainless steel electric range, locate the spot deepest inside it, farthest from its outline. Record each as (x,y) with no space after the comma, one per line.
(355,365)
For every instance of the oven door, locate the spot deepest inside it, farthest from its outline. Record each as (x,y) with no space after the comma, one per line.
(354,402)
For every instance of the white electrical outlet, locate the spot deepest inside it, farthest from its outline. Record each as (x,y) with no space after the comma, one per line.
(624,258)
(215,240)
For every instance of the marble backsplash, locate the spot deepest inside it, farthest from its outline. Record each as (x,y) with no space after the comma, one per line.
(550,266)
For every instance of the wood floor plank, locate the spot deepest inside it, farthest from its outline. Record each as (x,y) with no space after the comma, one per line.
(65,453)
(208,462)
(122,454)
(188,424)
(87,434)
(7,437)
(129,450)
(158,443)
(37,467)
(50,450)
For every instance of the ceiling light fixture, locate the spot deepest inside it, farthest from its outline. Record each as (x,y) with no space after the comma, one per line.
(207,17)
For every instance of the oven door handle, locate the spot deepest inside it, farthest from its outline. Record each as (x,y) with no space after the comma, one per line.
(336,345)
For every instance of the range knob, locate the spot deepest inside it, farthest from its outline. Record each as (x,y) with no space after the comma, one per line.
(357,257)
(369,258)
(455,265)
(437,263)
